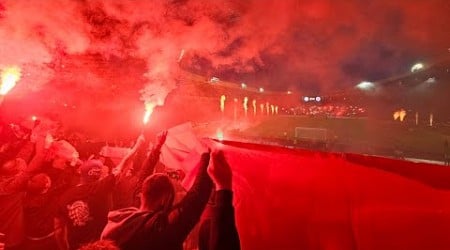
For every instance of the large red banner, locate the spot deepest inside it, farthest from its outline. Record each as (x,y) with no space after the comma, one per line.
(297,199)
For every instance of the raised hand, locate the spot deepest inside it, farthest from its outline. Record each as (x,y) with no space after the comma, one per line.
(161,138)
(220,171)
(140,140)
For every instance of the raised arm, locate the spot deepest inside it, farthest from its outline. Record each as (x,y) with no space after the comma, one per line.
(127,160)
(223,234)
(18,183)
(187,213)
(150,162)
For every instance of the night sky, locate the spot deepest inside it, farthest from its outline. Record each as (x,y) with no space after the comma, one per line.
(307,45)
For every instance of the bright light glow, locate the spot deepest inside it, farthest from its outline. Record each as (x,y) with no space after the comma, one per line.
(399,114)
(402,115)
(431,80)
(318,99)
(305,98)
(10,76)
(214,79)
(146,116)
(222,103)
(254,106)
(245,104)
(289,92)
(416,67)
(261,90)
(365,85)
(34,118)
(243,85)
(181,55)
(149,107)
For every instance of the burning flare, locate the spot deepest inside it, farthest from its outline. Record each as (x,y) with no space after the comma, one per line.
(245,104)
(10,76)
(149,107)
(399,114)
(222,103)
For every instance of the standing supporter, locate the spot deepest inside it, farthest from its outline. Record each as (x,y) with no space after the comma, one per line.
(14,175)
(157,224)
(39,209)
(61,166)
(83,209)
(148,167)
(125,194)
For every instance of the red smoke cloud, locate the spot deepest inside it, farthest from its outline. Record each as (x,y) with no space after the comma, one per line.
(309,45)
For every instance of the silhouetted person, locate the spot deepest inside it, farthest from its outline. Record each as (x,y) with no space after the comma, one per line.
(157,224)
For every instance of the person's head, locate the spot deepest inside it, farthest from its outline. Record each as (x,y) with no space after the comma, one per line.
(62,154)
(91,171)
(59,162)
(39,184)
(158,193)
(12,167)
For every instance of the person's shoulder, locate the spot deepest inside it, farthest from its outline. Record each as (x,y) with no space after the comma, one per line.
(156,221)
(74,193)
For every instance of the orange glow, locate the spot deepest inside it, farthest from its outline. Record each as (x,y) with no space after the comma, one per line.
(254,106)
(149,107)
(34,118)
(245,104)
(10,76)
(396,115)
(222,103)
(402,115)
(399,114)
(146,117)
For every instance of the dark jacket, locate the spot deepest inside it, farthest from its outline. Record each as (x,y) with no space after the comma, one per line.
(218,228)
(131,228)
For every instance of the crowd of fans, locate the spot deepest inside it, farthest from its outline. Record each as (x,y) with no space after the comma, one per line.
(327,110)
(51,198)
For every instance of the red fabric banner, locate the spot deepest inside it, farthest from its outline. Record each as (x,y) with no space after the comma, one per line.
(298,199)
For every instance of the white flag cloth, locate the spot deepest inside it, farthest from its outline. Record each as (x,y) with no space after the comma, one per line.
(182,150)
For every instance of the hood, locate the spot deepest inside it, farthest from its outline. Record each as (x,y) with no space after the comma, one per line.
(123,223)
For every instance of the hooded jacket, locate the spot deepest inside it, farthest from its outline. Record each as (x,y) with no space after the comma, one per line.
(132,228)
